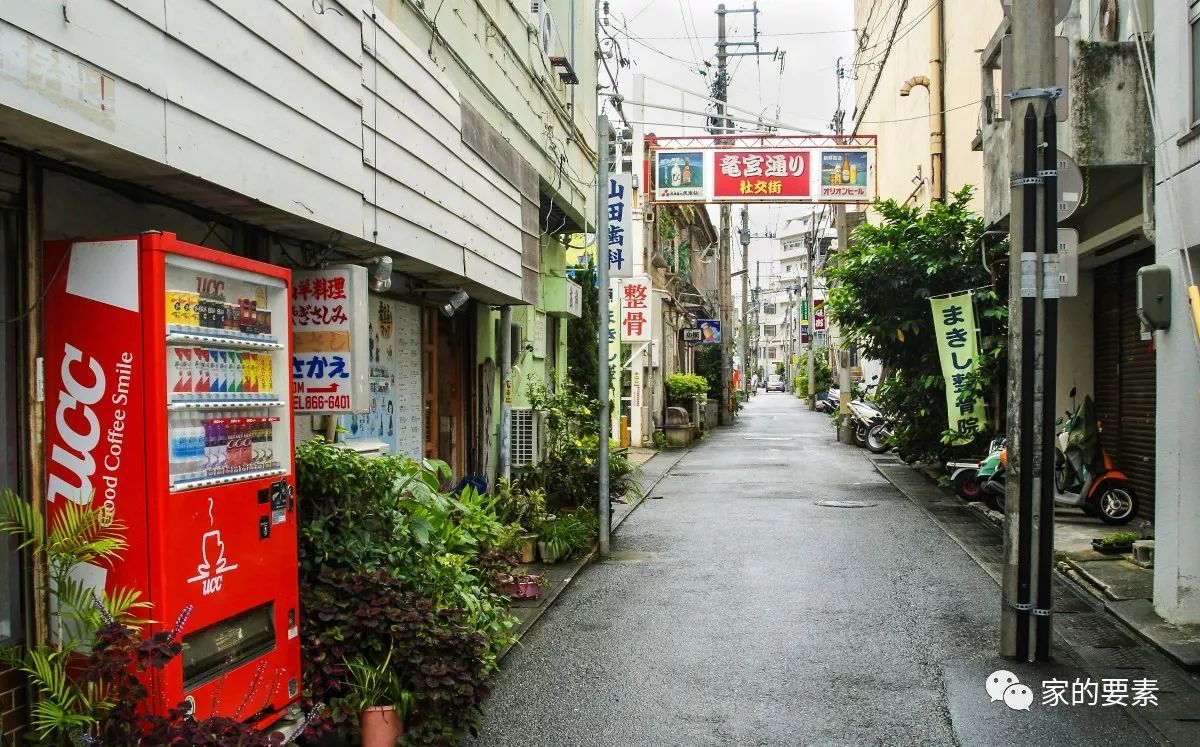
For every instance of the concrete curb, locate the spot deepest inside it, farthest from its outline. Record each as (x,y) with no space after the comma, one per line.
(578,565)
(1176,645)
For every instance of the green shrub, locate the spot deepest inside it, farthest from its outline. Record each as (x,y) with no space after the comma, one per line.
(570,473)
(684,385)
(389,562)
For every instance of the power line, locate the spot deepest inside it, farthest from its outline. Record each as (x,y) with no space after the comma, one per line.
(761,33)
(879,73)
(921,116)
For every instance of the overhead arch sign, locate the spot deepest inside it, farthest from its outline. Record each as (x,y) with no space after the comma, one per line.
(805,169)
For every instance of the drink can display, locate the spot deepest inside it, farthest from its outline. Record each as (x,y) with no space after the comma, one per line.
(236,373)
(264,364)
(203,371)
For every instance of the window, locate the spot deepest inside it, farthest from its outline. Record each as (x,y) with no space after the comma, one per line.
(772,353)
(770,330)
(787,269)
(1194,20)
(769,308)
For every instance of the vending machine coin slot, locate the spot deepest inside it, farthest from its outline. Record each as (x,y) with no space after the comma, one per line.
(264,527)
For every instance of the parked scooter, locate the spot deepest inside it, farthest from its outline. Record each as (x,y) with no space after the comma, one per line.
(879,436)
(828,401)
(988,477)
(1085,476)
(865,416)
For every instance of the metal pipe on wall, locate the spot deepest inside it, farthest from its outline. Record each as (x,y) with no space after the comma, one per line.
(506,392)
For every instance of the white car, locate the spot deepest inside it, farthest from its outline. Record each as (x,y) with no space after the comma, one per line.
(775,383)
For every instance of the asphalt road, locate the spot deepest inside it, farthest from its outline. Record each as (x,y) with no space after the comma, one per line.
(736,611)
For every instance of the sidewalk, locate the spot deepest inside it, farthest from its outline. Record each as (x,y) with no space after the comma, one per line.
(654,466)
(1124,588)
(1083,629)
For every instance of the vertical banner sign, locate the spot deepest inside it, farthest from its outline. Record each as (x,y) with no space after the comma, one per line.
(764,175)
(329,340)
(614,352)
(635,309)
(819,315)
(679,176)
(958,349)
(620,220)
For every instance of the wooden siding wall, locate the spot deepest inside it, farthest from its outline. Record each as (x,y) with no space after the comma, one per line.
(284,113)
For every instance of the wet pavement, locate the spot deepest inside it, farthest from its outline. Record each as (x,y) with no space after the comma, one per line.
(738,611)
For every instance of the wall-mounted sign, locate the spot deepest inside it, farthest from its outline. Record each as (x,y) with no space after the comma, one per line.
(819,314)
(797,175)
(329,339)
(958,350)
(710,331)
(691,335)
(620,221)
(680,175)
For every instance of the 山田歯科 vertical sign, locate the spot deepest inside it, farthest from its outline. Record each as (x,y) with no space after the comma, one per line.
(958,350)
(620,221)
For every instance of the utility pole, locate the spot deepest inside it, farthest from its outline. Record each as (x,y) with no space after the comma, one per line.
(845,427)
(811,253)
(723,125)
(603,508)
(1025,628)
(744,235)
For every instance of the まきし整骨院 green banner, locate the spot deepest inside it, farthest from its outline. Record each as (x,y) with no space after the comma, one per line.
(958,350)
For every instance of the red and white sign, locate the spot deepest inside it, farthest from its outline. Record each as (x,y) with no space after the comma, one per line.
(761,175)
(819,314)
(636,309)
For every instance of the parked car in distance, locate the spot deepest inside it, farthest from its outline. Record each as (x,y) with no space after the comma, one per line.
(774,383)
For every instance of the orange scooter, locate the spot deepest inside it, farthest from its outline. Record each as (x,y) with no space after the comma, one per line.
(1084,474)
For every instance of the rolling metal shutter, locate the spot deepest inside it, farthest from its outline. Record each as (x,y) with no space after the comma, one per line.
(1137,389)
(1124,376)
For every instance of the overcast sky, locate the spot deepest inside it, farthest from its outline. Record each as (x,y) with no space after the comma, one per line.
(673,39)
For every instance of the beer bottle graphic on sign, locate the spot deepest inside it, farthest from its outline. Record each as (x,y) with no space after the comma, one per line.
(846,178)
(676,176)
(687,174)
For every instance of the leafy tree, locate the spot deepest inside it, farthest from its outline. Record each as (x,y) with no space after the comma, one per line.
(583,336)
(708,365)
(879,295)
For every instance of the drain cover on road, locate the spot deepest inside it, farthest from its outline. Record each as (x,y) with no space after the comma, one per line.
(845,504)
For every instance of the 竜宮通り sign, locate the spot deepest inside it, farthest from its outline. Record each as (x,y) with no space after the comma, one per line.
(798,175)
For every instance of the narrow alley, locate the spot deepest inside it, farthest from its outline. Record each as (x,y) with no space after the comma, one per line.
(736,610)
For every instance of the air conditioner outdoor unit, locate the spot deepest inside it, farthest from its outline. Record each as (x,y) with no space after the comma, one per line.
(548,40)
(527,445)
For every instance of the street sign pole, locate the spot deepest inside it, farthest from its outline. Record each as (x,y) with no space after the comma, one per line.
(603,507)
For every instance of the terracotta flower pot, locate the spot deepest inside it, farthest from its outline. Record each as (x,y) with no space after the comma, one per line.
(381,726)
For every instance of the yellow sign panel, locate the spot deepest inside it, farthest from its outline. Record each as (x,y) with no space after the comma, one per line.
(958,350)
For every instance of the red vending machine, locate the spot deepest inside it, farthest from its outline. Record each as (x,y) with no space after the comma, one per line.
(167,402)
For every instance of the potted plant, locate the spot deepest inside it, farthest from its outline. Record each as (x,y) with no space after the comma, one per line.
(526,585)
(381,700)
(1115,543)
(523,508)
